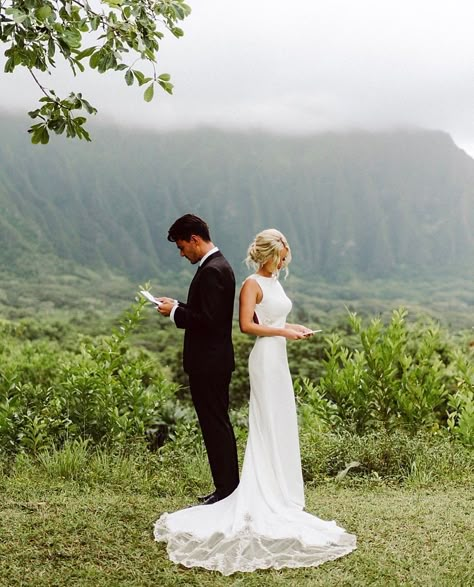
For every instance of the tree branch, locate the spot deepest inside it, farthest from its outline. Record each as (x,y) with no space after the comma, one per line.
(42,88)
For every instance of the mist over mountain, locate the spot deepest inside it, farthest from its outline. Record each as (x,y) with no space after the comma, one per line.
(358,204)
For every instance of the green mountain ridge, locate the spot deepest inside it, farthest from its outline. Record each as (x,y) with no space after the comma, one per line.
(353,205)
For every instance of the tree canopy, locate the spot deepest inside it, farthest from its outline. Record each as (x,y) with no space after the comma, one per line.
(118,35)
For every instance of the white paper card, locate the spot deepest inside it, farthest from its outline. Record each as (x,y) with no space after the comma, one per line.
(146,294)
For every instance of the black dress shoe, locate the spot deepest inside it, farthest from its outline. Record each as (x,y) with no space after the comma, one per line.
(213,498)
(203,498)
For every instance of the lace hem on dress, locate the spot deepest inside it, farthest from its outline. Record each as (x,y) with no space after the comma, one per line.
(247,551)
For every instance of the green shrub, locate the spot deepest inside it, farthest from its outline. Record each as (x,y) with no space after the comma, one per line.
(105,391)
(398,376)
(461,402)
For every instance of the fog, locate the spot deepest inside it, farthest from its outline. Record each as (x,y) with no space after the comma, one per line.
(299,67)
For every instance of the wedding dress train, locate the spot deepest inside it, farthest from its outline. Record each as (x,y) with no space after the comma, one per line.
(262,523)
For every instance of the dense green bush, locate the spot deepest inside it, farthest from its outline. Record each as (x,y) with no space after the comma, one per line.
(398,376)
(361,379)
(104,391)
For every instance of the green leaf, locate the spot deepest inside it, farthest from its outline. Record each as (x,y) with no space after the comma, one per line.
(72,37)
(166,86)
(94,60)
(86,135)
(150,55)
(51,48)
(59,127)
(88,107)
(165,77)
(111,61)
(95,22)
(177,32)
(9,65)
(34,113)
(140,77)
(129,77)
(79,65)
(44,138)
(35,136)
(178,11)
(17,16)
(86,53)
(44,12)
(148,95)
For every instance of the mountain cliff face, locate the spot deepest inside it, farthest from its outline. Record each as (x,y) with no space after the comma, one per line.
(357,204)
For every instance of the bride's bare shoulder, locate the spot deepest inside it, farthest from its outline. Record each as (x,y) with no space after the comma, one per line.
(251,287)
(250,281)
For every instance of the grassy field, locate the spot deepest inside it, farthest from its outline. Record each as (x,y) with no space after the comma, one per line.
(56,531)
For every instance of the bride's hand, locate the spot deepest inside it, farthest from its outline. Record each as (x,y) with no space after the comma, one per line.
(300,329)
(292,334)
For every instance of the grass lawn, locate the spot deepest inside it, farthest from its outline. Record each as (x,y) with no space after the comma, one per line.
(55,532)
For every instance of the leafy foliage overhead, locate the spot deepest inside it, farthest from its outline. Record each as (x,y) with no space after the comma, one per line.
(107,35)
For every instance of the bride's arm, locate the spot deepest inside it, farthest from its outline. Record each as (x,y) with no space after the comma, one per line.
(250,296)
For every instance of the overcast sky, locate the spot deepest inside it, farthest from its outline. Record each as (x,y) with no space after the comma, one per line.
(304,66)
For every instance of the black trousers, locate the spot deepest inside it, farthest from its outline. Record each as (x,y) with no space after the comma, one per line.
(210,394)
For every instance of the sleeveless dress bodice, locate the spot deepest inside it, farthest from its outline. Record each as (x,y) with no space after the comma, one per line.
(275,305)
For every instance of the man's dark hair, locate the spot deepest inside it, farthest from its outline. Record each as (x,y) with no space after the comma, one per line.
(186,226)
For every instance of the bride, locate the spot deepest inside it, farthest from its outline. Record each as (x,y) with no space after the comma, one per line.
(262,524)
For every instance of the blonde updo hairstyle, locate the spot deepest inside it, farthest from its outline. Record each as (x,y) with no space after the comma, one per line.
(267,246)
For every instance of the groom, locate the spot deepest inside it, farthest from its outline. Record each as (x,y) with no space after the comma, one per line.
(208,355)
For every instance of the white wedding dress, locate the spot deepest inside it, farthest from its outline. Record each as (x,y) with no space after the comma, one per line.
(262,523)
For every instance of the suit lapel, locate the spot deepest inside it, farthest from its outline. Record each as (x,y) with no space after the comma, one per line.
(194,283)
(213,256)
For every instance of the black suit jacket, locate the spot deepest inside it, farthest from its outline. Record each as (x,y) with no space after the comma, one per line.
(207,318)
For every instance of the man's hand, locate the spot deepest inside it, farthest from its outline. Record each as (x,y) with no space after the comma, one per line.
(166,305)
